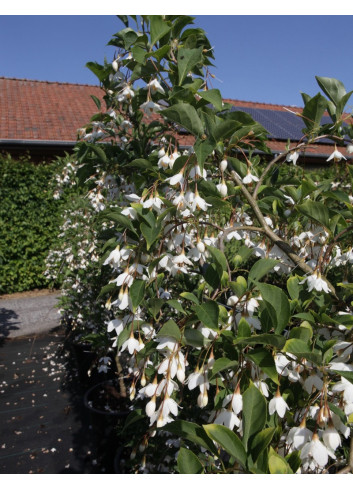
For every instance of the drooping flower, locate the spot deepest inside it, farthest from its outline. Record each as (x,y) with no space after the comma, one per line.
(314,281)
(177,178)
(249,178)
(278,404)
(116,325)
(228,418)
(331,437)
(155,86)
(222,188)
(292,157)
(196,202)
(123,300)
(150,107)
(336,156)
(114,257)
(314,453)
(299,435)
(132,344)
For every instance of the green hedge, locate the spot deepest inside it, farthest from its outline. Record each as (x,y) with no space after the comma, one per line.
(29,222)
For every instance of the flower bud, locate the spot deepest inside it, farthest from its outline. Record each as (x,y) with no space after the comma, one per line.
(115,65)
(202,399)
(349,148)
(151,407)
(223,165)
(180,374)
(201,246)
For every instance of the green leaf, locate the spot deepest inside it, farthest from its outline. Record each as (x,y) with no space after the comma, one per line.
(208,314)
(313,111)
(224,130)
(264,360)
(219,257)
(300,333)
(192,432)
(300,349)
(294,460)
(186,116)
(96,101)
(128,36)
(203,148)
(159,53)
(293,287)
(333,88)
(99,70)
(261,268)
(244,330)
(275,340)
(159,28)
(213,96)
(254,412)
(136,293)
(187,60)
(277,464)
(107,288)
(306,316)
(123,221)
(176,305)
(315,211)
(211,275)
(140,163)
(239,287)
(260,442)
(347,375)
(150,233)
(228,441)
(188,463)
(155,305)
(170,329)
(190,297)
(194,337)
(295,345)
(277,305)
(341,104)
(100,152)
(222,364)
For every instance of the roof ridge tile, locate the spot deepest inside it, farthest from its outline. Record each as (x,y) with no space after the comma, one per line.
(47,81)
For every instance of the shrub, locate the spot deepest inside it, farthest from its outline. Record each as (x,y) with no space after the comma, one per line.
(243,351)
(29,222)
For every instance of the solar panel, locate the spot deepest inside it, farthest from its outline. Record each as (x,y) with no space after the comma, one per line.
(280,125)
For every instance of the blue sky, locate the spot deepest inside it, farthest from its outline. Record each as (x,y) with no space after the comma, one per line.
(262,58)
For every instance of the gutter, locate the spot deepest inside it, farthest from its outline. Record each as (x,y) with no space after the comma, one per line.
(37,143)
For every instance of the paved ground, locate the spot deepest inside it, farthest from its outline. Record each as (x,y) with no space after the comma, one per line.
(45,427)
(28,315)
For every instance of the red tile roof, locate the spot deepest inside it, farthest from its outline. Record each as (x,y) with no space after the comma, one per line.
(36,110)
(44,111)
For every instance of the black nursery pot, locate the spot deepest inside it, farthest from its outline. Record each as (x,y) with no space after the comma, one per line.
(84,357)
(105,399)
(107,410)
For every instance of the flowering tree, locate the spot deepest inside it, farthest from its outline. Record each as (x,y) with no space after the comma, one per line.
(230,290)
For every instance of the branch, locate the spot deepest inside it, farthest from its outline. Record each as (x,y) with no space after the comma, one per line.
(336,238)
(283,245)
(279,157)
